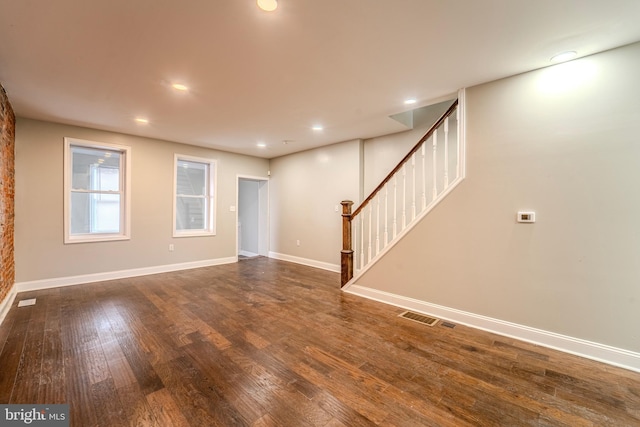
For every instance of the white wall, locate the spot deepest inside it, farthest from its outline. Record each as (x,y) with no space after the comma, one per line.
(565,142)
(304,190)
(40,252)
(383,153)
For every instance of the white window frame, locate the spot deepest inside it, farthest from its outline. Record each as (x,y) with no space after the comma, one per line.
(125,192)
(210,198)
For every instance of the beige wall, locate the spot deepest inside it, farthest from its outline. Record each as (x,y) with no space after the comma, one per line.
(40,252)
(565,142)
(383,153)
(304,189)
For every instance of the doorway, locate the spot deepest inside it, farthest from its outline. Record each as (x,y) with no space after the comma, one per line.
(253,217)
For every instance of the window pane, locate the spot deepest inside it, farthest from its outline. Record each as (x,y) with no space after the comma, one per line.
(95,169)
(105,213)
(190,213)
(80,213)
(95,213)
(192,178)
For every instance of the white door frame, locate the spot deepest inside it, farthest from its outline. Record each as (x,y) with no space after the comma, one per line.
(263,214)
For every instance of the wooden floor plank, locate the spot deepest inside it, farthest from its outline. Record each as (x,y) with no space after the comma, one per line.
(12,351)
(268,343)
(165,409)
(30,368)
(52,389)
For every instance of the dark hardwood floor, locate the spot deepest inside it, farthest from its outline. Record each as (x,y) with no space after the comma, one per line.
(265,343)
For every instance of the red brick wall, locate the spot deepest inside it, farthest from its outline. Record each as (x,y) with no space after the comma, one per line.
(7,144)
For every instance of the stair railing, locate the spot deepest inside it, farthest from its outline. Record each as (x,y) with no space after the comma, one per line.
(419,181)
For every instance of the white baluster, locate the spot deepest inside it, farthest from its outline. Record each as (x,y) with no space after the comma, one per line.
(457,112)
(404,196)
(413,187)
(355,224)
(435,176)
(446,153)
(395,205)
(370,235)
(362,239)
(386,214)
(377,225)
(424,177)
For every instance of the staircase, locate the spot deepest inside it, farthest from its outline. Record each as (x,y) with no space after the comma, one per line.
(424,177)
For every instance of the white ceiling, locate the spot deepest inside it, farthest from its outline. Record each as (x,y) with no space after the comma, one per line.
(267,77)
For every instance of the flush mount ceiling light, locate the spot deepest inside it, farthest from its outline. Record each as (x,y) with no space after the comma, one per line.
(410,101)
(261,145)
(142,120)
(317,127)
(268,5)
(180,87)
(564,56)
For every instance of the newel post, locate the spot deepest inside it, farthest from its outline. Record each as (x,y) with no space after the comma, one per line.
(346,255)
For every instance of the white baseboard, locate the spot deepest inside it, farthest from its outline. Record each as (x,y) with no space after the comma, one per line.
(247,253)
(579,347)
(304,261)
(6,304)
(121,274)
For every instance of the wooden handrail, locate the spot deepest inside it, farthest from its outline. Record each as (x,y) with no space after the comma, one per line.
(406,158)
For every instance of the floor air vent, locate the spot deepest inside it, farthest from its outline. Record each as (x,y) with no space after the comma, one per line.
(420,318)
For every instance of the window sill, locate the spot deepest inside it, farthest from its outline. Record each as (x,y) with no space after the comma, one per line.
(194,233)
(94,239)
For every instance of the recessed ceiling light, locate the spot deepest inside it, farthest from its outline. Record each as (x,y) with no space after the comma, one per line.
(410,101)
(180,87)
(317,127)
(261,144)
(268,5)
(142,120)
(564,56)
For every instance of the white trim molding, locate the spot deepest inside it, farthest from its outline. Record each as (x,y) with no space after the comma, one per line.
(121,274)
(600,352)
(6,304)
(247,253)
(305,261)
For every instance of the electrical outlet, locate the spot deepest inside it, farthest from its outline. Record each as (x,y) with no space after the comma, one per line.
(529,217)
(297,242)
(171,248)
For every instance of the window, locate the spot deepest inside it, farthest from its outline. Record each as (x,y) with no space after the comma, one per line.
(96,186)
(194,202)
